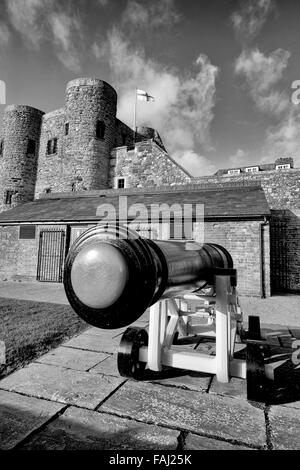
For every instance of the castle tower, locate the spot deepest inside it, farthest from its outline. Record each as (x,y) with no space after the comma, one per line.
(90,113)
(19,148)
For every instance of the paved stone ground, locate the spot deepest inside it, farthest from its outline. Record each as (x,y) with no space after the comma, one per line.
(74,398)
(282,309)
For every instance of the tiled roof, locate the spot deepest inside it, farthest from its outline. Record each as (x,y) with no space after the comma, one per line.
(236,202)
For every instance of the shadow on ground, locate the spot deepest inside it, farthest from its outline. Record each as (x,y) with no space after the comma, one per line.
(79,429)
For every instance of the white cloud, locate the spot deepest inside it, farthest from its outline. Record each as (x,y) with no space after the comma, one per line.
(38,21)
(154,14)
(64,29)
(183,107)
(4,34)
(196,164)
(102,3)
(252,15)
(239,158)
(262,72)
(283,139)
(26,17)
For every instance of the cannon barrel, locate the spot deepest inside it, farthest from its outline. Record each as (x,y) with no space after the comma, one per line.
(112,275)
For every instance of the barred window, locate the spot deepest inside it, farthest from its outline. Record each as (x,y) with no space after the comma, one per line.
(100,130)
(67,128)
(1,146)
(52,146)
(31,147)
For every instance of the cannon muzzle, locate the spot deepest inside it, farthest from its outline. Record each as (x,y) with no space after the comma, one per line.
(112,275)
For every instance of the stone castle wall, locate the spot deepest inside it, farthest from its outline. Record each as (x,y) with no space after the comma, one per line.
(18,167)
(147,165)
(281,187)
(82,159)
(282,191)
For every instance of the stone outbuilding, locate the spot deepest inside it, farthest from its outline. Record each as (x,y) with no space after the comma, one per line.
(35,237)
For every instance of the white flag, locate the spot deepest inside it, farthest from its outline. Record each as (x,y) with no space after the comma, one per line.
(143,95)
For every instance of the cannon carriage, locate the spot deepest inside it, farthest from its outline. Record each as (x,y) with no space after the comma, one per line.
(113,275)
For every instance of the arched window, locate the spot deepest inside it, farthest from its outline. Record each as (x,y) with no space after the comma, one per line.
(100,130)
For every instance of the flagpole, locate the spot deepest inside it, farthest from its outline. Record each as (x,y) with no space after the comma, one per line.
(134,116)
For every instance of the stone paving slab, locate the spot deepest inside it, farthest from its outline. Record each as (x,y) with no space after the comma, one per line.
(285,427)
(194,442)
(294,404)
(20,415)
(72,358)
(201,413)
(100,332)
(98,343)
(186,380)
(107,367)
(63,385)
(235,388)
(79,429)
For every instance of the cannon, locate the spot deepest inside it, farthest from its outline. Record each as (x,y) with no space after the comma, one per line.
(112,276)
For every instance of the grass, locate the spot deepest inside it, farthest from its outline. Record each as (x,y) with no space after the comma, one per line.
(30,329)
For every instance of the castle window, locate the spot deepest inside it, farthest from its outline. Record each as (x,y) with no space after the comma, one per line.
(8,197)
(31,147)
(47,190)
(67,128)
(27,232)
(121,183)
(52,146)
(100,130)
(1,146)
(73,187)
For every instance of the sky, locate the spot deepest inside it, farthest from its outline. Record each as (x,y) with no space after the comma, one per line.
(221,71)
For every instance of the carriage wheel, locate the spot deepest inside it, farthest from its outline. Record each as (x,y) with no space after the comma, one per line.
(129,364)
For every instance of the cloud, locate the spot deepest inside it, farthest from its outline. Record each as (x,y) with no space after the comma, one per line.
(262,72)
(154,14)
(197,165)
(183,107)
(26,16)
(4,34)
(65,28)
(38,21)
(283,139)
(239,158)
(252,15)
(102,3)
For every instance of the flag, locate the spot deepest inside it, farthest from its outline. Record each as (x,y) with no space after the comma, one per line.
(143,95)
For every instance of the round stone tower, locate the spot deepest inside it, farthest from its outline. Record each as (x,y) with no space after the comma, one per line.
(19,155)
(90,116)
(146,133)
